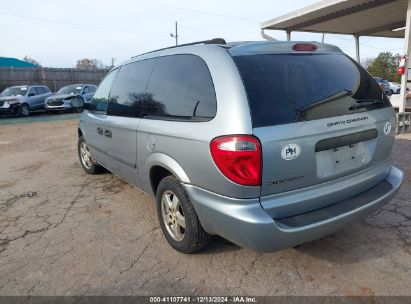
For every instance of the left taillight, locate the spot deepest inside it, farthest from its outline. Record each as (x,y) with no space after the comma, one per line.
(238,157)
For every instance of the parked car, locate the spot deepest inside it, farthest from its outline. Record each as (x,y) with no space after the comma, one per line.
(395,88)
(385,84)
(23,99)
(61,101)
(267,144)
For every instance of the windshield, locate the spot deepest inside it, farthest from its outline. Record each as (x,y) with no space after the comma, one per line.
(287,88)
(14,91)
(70,89)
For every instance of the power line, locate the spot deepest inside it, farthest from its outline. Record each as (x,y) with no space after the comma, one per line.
(194,30)
(201,12)
(368,46)
(83,25)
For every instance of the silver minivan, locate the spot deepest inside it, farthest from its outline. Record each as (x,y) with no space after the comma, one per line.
(267,144)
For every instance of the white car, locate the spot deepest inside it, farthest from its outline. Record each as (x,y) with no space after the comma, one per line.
(395,88)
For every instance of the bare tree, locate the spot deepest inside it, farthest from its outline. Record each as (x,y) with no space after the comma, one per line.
(31,60)
(89,64)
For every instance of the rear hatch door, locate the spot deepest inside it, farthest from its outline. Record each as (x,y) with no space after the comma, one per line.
(319,117)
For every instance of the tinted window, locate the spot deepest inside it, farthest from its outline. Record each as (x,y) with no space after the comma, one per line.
(286,88)
(92,89)
(100,98)
(181,87)
(128,90)
(31,91)
(40,90)
(86,90)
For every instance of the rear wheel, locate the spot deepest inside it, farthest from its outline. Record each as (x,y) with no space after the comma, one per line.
(178,219)
(87,162)
(24,110)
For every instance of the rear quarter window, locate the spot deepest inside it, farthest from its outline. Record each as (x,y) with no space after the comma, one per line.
(287,88)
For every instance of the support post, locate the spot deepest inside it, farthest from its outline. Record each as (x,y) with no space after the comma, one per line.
(407,45)
(357,48)
(288,36)
(176,35)
(267,37)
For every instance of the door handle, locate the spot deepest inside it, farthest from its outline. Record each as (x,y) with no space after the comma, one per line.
(100,130)
(108,133)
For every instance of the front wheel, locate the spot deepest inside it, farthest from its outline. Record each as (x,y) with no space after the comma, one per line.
(24,110)
(87,162)
(178,219)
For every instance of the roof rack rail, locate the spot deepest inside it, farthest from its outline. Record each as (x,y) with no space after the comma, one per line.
(210,41)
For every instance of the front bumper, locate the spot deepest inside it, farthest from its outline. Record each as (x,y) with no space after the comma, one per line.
(66,105)
(9,107)
(245,223)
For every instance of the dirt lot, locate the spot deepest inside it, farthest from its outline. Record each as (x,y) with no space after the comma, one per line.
(63,232)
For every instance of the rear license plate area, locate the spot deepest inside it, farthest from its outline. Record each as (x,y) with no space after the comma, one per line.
(342,159)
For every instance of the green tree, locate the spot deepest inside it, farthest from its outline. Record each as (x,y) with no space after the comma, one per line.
(385,66)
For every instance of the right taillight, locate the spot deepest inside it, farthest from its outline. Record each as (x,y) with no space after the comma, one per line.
(238,157)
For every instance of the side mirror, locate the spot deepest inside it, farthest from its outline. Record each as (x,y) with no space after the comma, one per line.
(31,95)
(77,102)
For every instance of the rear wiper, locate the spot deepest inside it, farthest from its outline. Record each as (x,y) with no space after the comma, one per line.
(362,103)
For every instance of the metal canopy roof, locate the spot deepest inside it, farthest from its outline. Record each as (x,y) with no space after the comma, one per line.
(355,17)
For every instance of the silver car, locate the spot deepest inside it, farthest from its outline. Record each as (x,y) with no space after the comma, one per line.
(23,99)
(61,101)
(267,144)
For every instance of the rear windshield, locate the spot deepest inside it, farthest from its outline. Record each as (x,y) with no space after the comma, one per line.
(287,88)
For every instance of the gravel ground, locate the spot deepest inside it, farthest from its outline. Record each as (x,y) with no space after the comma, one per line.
(63,232)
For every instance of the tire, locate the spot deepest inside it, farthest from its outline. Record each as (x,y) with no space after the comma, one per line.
(172,203)
(78,110)
(24,110)
(87,162)
(391,91)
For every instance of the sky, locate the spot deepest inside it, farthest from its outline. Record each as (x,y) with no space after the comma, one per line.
(57,33)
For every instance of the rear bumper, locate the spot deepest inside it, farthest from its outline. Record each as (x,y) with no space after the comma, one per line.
(245,223)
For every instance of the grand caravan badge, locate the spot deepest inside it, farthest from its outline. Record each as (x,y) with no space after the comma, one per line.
(290,151)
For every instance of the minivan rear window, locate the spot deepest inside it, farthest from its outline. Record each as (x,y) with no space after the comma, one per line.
(287,88)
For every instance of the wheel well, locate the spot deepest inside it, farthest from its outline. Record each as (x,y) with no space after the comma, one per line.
(79,132)
(157,173)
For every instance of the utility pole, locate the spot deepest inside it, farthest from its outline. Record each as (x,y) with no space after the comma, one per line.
(175,35)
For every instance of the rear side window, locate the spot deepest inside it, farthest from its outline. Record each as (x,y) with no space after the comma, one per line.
(287,88)
(181,88)
(100,99)
(128,90)
(40,90)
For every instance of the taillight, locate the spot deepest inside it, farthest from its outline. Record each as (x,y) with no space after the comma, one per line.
(239,158)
